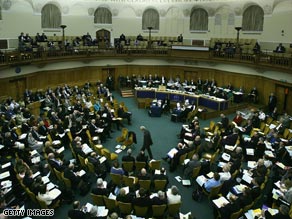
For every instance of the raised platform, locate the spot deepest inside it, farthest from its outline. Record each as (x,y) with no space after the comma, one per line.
(127,93)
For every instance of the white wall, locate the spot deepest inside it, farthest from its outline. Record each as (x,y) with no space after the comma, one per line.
(24,15)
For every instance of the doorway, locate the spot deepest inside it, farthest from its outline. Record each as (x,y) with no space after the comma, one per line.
(103,38)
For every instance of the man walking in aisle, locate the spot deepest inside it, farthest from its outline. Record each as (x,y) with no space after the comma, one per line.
(147,141)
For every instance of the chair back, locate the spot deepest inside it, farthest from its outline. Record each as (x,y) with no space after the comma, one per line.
(125,208)
(31,195)
(111,204)
(139,165)
(191,153)
(116,178)
(160,185)
(123,136)
(174,209)
(141,211)
(82,161)
(128,166)
(66,181)
(247,207)
(236,215)
(129,181)
(90,166)
(196,172)
(182,158)
(97,199)
(58,174)
(145,184)
(158,210)
(214,192)
(155,165)
(42,203)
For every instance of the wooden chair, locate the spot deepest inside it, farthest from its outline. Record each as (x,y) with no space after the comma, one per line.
(125,208)
(111,204)
(236,215)
(141,211)
(247,207)
(109,156)
(160,185)
(128,166)
(155,165)
(139,165)
(130,140)
(123,136)
(214,192)
(182,159)
(116,178)
(195,172)
(191,153)
(90,166)
(129,181)
(158,211)
(44,205)
(67,182)
(82,161)
(145,184)
(98,149)
(31,195)
(97,199)
(173,209)
(58,175)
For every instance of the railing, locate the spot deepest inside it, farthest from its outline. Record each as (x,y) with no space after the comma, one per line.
(279,61)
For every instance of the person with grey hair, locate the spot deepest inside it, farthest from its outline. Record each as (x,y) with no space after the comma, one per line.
(160,199)
(77,212)
(282,214)
(147,141)
(193,163)
(101,188)
(173,196)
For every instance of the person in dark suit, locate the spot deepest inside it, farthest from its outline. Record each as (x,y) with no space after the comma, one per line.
(280,48)
(231,207)
(193,163)
(141,157)
(230,139)
(55,163)
(123,114)
(272,102)
(161,176)
(147,141)
(72,176)
(142,199)
(282,214)
(143,175)
(224,122)
(76,212)
(129,156)
(160,199)
(180,38)
(124,197)
(100,188)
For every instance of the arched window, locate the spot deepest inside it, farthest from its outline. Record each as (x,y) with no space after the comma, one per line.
(0,13)
(199,20)
(231,19)
(218,20)
(51,16)
(150,18)
(253,19)
(102,16)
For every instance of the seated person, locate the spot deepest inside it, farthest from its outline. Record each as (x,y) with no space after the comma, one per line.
(142,198)
(213,182)
(257,48)
(173,195)
(76,212)
(280,48)
(124,197)
(253,95)
(155,109)
(123,114)
(282,214)
(160,199)
(193,163)
(45,196)
(101,188)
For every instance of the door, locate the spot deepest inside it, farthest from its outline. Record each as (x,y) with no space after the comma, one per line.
(103,38)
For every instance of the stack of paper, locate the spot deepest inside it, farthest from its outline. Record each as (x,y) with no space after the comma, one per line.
(220,202)
(201,180)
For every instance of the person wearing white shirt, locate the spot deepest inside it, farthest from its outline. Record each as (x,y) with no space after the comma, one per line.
(172,195)
(44,195)
(225,175)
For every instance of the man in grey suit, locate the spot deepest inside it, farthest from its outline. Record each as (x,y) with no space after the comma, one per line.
(147,141)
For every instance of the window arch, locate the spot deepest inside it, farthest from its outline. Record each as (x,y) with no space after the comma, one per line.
(51,16)
(199,19)
(253,19)
(102,15)
(150,18)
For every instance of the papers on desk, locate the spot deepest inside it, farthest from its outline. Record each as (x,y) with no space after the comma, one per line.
(6,165)
(102,159)
(36,174)
(50,186)
(281,165)
(80,173)
(268,145)
(280,186)
(35,160)
(56,142)
(1,146)
(34,152)
(86,149)
(102,211)
(272,211)
(210,175)
(272,126)
(153,195)
(277,193)
(157,172)
(62,135)
(60,150)
(112,196)
(250,151)
(22,136)
(238,189)
(88,207)
(201,180)
(230,147)
(6,184)
(247,178)
(172,152)
(221,164)
(220,202)
(99,130)
(4,175)
(118,151)
(269,154)
(289,150)
(251,214)
(226,157)
(186,161)
(45,179)
(54,193)
(251,164)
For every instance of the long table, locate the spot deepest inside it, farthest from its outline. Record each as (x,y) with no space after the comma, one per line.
(179,96)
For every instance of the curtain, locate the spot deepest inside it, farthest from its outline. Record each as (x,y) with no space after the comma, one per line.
(0,13)
(150,18)
(51,16)
(199,19)
(102,16)
(253,19)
